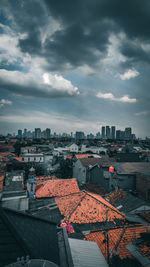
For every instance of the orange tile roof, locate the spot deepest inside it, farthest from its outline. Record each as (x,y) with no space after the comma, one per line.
(44,178)
(118,239)
(116,195)
(5,154)
(69,157)
(95,188)
(59,187)
(86,207)
(144,249)
(4,159)
(83,156)
(18,159)
(2,182)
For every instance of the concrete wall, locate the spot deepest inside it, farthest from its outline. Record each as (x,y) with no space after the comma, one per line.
(143,185)
(79,172)
(125,182)
(33,158)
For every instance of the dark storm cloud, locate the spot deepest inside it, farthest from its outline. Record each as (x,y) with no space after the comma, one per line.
(85,28)
(75,46)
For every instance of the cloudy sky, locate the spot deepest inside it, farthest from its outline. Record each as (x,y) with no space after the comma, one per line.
(75,65)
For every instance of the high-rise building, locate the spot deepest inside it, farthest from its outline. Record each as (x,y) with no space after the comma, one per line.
(98,135)
(48,133)
(19,134)
(37,133)
(90,136)
(79,135)
(128,133)
(25,133)
(103,131)
(120,135)
(113,132)
(107,132)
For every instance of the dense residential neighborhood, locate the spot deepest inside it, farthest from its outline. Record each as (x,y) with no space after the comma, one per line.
(85,193)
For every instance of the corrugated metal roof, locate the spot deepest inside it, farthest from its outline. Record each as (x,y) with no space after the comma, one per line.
(86,254)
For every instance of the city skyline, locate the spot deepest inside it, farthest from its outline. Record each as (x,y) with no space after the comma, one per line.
(75,65)
(105,132)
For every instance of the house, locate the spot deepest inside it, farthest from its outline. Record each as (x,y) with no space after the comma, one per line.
(33,157)
(29,241)
(143,183)
(94,149)
(140,249)
(128,157)
(23,235)
(73,148)
(28,149)
(86,210)
(128,203)
(126,174)
(82,166)
(117,240)
(59,187)
(14,196)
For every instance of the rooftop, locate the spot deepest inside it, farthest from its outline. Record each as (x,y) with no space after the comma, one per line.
(133,167)
(83,156)
(23,235)
(105,161)
(59,187)
(126,201)
(86,208)
(118,239)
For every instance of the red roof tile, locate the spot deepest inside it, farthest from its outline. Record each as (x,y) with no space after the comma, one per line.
(86,207)
(144,249)
(18,159)
(83,156)
(118,239)
(59,187)
(100,161)
(69,157)
(94,188)
(116,195)
(2,182)
(5,154)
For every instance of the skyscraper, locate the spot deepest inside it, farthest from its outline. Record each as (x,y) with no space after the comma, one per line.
(20,134)
(25,133)
(128,133)
(79,135)
(108,132)
(113,132)
(103,131)
(48,133)
(37,133)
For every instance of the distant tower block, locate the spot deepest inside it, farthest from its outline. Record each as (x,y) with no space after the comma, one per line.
(31,182)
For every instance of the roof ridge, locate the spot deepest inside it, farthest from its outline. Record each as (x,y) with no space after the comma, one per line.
(43,187)
(115,210)
(70,194)
(75,207)
(27,215)
(120,227)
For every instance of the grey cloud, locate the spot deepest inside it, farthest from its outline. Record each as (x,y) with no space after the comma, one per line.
(36,84)
(86,27)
